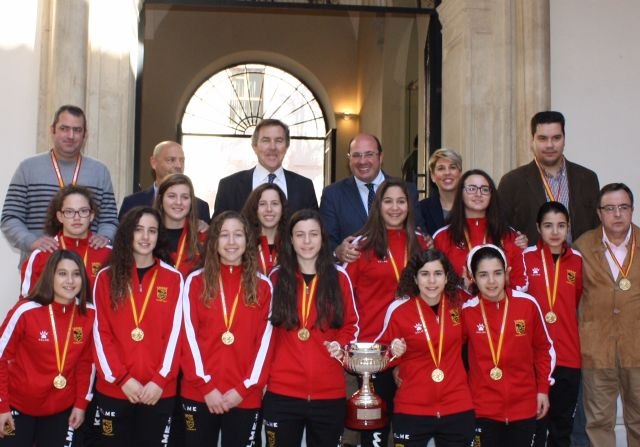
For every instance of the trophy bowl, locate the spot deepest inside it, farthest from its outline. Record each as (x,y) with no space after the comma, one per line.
(365,409)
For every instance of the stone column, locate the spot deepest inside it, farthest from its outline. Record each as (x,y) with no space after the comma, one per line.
(494,75)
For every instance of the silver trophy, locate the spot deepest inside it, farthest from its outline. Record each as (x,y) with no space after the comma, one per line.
(366,410)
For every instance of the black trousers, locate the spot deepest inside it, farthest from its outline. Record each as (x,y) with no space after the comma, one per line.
(454,430)
(286,418)
(490,433)
(563,396)
(40,431)
(385,387)
(239,427)
(123,424)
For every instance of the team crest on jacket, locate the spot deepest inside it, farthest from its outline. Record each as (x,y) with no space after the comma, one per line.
(189,422)
(161,294)
(95,268)
(455,316)
(571,277)
(521,327)
(78,335)
(107,427)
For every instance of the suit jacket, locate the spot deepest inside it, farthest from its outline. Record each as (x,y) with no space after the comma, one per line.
(522,193)
(343,212)
(233,191)
(431,212)
(608,316)
(146,198)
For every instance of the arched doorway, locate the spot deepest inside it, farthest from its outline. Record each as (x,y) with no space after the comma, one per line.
(223,111)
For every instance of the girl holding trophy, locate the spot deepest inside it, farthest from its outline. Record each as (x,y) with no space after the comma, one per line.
(314,316)
(424,329)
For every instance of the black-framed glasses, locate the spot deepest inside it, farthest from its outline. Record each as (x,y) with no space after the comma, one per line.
(473,189)
(70,213)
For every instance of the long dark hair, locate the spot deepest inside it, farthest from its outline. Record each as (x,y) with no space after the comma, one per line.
(329,305)
(52,225)
(250,212)
(212,261)
(375,230)
(408,285)
(122,260)
(496,225)
(43,292)
(194,247)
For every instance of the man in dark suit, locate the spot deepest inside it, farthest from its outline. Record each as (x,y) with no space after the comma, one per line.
(344,204)
(167,158)
(550,176)
(270,141)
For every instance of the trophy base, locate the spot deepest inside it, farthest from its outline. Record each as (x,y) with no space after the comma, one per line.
(368,413)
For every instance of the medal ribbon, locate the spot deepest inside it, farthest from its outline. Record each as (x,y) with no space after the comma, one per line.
(56,168)
(60,360)
(137,320)
(466,237)
(306,301)
(228,319)
(551,297)
(395,266)
(86,250)
(624,272)
(495,356)
(547,187)
(181,244)
(263,248)
(426,332)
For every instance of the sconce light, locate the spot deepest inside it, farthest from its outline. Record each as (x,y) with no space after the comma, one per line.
(346,116)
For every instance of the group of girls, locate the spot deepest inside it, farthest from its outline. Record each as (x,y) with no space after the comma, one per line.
(255,302)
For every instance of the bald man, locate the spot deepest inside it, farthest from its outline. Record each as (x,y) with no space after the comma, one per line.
(167,158)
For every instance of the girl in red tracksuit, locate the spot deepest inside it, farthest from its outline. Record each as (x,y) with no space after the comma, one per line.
(387,242)
(555,280)
(424,329)
(314,316)
(45,357)
(266,212)
(138,300)
(176,201)
(227,336)
(476,219)
(511,356)
(69,216)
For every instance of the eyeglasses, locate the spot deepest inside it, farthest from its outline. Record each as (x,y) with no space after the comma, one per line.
(70,213)
(610,209)
(366,155)
(473,189)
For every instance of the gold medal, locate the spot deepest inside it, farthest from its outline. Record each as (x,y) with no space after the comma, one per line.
(624,284)
(495,373)
(437,375)
(59,382)
(228,338)
(551,317)
(137,334)
(304,334)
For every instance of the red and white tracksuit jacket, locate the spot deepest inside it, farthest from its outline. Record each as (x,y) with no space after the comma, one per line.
(418,394)
(304,369)
(188,265)
(207,363)
(527,358)
(564,332)
(267,260)
(28,359)
(94,259)
(457,253)
(156,357)
(375,283)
